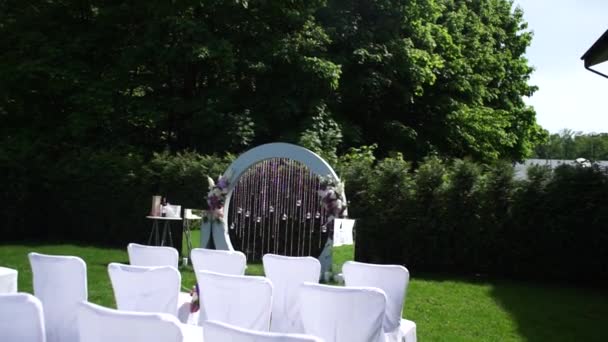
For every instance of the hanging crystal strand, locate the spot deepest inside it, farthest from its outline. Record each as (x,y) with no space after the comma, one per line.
(232,215)
(254,212)
(279,209)
(269,205)
(309,212)
(308,190)
(243,203)
(294,207)
(262,210)
(254,217)
(299,203)
(276,206)
(239,210)
(282,232)
(302,206)
(247,213)
(288,201)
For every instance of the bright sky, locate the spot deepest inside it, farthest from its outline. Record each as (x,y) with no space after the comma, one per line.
(569,96)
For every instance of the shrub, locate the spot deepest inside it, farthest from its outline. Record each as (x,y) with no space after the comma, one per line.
(462,217)
(102,197)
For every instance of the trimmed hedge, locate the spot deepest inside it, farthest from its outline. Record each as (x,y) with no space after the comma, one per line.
(456,216)
(461,217)
(99,197)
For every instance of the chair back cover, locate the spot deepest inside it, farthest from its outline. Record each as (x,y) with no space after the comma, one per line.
(287,274)
(392,279)
(8,280)
(227,262)
(145,289)
(99,324)
(244,301)
(142,255)
(60,282)
(215,331)
(21,318)
(342,314)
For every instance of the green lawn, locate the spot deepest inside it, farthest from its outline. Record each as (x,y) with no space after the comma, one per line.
(445,309)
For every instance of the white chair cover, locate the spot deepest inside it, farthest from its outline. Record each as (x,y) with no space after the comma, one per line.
(215,331)
(393,280)
(21,318)
(99,324)
(8,280)
(142,255)
(243,301)
(287,274)
(226,262)
(145,289)
(60,282)
(342,314)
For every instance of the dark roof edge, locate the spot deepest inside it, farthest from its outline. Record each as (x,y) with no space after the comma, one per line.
(598,52)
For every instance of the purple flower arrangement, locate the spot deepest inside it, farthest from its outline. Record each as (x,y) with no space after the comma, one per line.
(195,303)
(216,198)
(332,199)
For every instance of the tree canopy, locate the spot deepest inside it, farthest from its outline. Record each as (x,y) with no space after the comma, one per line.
(568,144)
(415,76)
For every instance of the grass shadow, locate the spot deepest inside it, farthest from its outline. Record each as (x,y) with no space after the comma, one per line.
(507,310)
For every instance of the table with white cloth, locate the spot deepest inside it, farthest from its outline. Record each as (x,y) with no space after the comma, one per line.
(8,280)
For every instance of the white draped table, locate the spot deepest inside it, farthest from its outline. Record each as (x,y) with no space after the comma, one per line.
(8,280)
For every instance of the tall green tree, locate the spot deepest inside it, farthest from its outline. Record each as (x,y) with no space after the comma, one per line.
(210,76)
(434,75)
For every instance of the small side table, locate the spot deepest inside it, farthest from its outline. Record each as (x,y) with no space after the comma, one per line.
(8,280)
(188,219)
(166,233)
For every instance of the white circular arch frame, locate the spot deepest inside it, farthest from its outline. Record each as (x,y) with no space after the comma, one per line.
(313,161)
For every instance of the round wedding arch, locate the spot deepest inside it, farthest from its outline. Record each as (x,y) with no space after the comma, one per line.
(216,233)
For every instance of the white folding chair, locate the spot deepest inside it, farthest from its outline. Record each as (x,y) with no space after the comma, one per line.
(8,280)
(342,314)
(287,274)
(60,282)
(393,280)
(142,255)
(21,318)
(215,331)
(99,324)
(145,289)
(226,262)
(244,301)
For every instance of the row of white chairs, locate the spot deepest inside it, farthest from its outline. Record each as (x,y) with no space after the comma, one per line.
(286,274)
(22,320)
(234,299)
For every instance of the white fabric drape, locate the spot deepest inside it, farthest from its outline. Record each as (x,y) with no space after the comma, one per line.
(99,324)
(226,262)
(8,280)
(215,331)
(393,280)
(243,301)
(342,314)
(142,255)
(145,289)
(343,232)
(287,274)
(60,282)
(21,318)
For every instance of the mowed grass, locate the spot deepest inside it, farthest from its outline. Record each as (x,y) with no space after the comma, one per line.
(444,309)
